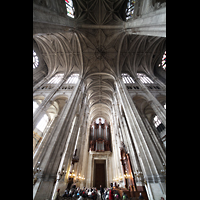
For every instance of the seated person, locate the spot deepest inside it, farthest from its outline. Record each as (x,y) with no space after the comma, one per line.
(65,195)
(80,196)
(84,194)
(91,194)
(72,190)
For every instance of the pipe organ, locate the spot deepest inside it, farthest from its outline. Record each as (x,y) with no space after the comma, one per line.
(100,139)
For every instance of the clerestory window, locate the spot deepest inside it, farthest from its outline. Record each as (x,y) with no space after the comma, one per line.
(127,78)
(70,8)
(72,79)
(56,79)
(144,78)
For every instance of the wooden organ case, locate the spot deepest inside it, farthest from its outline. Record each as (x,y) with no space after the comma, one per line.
(100,138)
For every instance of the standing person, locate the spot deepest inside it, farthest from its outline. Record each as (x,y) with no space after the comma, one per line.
(57,195)
(111,196)
(101,191)
(141,197)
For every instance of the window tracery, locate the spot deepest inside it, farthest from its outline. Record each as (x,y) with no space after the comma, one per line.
(35,60)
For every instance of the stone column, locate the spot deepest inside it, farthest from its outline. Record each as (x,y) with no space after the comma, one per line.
(157,142)
(56,146)
(117,133)
(67,155)
(86,155)
(107,171)
(132,153)
(128,143)
(148,157)
(115,157)
(89,171)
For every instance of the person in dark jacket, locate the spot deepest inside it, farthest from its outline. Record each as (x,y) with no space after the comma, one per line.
(141,197)
(101,191)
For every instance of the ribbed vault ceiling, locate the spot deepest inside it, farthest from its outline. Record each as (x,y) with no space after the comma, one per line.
(99,54)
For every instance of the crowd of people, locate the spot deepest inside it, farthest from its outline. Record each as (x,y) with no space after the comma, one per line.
(91,193)
(78,193)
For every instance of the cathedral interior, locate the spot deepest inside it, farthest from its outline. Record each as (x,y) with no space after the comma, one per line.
(99,96)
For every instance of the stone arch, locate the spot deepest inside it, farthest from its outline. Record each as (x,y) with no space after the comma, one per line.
(38,99)
(60,99)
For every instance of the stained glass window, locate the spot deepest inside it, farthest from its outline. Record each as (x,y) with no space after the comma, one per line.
(127,78)
(35,60)
(70,8)
(163,62)
(130,9)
